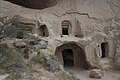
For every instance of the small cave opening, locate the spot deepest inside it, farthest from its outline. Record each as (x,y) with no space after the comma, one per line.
(34,4)
(20,34)
(104,48)
(43,31)
(68,57)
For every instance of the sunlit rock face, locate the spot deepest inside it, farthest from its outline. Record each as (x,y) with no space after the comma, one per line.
(34,4)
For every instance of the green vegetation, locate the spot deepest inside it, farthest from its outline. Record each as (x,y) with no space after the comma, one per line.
(9,27)
(11,62)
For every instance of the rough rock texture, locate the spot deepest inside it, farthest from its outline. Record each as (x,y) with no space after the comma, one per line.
(116,61)
(19,44)
(92,30)
(90,24)
(52,65)
(96,73)
(43,78)
(42,44)
(15,62)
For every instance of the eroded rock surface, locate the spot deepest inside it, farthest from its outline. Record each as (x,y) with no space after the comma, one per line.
(19,44)
(87,29)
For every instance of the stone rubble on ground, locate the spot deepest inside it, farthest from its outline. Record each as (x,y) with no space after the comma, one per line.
(52,65)
(96,73)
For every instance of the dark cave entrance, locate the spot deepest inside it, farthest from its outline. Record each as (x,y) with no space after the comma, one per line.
(104,48)
(71,55)
(68,58)
(43,31)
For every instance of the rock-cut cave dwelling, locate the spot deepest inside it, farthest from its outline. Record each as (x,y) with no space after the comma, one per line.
(72,33)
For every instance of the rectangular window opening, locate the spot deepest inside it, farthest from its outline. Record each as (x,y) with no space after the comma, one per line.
(65,31)
(105,51)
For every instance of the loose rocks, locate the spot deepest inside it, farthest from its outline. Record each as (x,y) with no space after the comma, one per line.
(96,73)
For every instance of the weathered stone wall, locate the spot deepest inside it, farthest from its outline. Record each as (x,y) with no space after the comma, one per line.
(94,20)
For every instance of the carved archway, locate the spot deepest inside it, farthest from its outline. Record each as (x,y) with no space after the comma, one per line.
(71,54)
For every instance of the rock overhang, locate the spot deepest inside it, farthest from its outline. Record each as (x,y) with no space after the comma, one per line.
(34,4)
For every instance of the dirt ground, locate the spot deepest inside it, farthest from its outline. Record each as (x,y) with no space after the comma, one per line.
(84,74)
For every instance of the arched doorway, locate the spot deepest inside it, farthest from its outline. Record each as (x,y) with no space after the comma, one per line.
(71,55)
